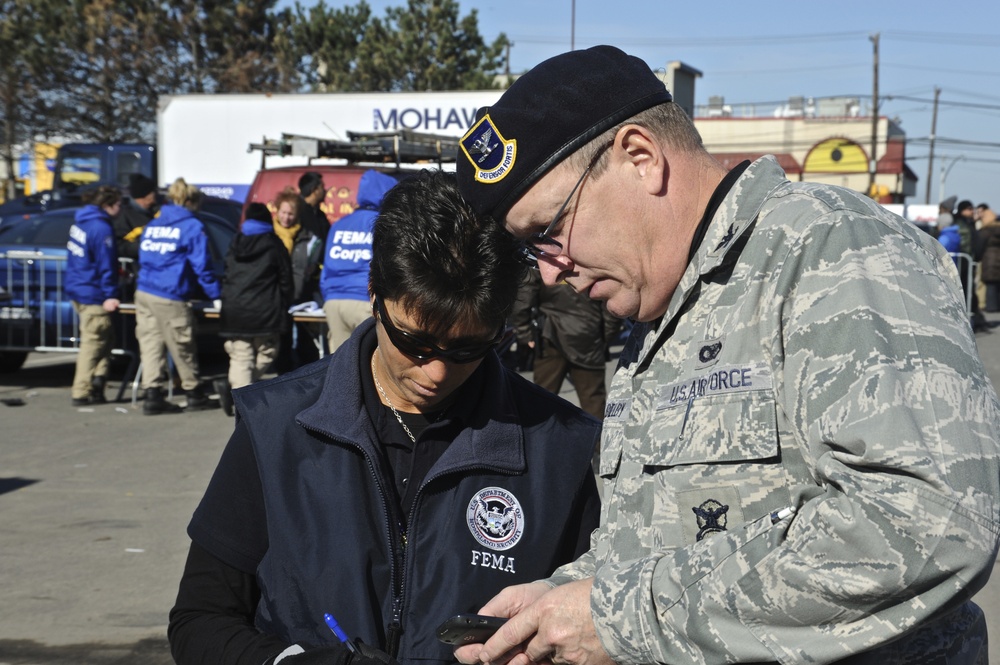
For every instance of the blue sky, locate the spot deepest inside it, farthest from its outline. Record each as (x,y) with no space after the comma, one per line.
(758,52)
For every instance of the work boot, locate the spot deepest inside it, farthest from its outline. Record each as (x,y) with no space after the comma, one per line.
(225,392)
(154,403)
(197,400)
(97,385)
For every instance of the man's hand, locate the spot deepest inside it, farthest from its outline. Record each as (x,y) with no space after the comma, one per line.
(557,627)
(507,603)
(110,305)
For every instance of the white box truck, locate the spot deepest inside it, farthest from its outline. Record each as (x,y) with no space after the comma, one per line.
(205,138)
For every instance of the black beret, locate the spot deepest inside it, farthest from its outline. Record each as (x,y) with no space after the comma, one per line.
(545,116)
(140,185)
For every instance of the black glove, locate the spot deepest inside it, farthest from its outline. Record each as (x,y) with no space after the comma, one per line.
(331,655)
(368,655)
(339,654)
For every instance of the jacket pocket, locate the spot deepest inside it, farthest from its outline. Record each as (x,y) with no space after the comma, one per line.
(712,429)
(709,464)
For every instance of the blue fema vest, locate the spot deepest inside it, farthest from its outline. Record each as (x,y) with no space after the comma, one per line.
(503,505)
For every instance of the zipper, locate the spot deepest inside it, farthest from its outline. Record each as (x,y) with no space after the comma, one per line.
(395,628)
(397,546)
(397,576)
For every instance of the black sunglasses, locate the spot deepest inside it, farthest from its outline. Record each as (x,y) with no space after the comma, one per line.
(421,349)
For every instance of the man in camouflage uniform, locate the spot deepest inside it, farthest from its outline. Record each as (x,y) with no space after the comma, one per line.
(800,448)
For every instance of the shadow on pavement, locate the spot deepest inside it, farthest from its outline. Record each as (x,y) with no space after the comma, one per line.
(12,484)
(151,651)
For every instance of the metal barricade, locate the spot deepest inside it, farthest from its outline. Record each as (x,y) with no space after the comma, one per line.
(35,314)
(961,258)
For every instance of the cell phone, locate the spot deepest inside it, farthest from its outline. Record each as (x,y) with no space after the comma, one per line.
(469,628)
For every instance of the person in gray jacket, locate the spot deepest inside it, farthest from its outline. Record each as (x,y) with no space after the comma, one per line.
(800,452)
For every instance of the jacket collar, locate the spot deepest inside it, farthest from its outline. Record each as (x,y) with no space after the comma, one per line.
(734,218)
(490,437)
(171,214)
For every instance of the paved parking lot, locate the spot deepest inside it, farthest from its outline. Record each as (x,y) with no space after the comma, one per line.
(93,507)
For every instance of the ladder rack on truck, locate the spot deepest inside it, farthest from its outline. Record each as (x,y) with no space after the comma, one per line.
(399,147)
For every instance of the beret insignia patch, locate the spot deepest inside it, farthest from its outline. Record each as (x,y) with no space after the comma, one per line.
(491,156)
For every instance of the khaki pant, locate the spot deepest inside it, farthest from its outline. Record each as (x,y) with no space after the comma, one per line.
(96,339)
(163,325)
(249,358)
(551,367)
(342,317)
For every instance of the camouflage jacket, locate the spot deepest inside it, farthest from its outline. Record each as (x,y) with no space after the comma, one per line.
(800,459)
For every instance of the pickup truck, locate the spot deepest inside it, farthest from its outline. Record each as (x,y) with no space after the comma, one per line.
(79,167)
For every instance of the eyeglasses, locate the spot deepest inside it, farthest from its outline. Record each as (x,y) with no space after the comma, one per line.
(421,349)
(542,244)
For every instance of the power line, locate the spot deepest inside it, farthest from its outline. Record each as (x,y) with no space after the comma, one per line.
(885,98)
(701,42)
(960,39)
(785,70)
(943,70)
(978,160)
(970,105)
(961,142)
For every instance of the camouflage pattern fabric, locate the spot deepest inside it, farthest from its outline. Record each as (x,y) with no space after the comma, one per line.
(800,459)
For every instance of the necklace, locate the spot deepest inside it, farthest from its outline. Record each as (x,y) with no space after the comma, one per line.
(388,402)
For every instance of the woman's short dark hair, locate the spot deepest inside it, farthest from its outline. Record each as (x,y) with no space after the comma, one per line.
(103,196)
(438,259)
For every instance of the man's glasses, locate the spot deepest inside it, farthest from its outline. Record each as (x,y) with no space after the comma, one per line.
(421,349)
(542,244)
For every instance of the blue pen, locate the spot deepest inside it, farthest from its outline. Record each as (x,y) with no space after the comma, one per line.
(337,630)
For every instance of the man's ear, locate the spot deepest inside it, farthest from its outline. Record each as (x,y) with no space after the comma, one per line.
(638,148)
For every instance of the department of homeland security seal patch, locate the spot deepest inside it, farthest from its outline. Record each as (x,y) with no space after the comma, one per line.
(495,518)
(490,154)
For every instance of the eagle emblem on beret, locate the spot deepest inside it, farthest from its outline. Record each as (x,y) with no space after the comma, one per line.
(482,145)
(491,155)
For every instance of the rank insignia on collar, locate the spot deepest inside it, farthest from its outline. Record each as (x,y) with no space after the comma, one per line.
(730,234)
(491,155)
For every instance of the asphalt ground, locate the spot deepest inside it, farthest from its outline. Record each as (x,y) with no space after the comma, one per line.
(93,508)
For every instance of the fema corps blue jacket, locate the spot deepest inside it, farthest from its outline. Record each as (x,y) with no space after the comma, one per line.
(174,259)
(349,243)
(92,262)
(511,497)
(950,239)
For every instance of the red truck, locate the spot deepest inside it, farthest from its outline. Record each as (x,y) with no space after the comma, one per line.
(341,163)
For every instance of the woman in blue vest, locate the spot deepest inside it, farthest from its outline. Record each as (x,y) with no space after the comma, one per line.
(176,268)
(403,479)
(92,286)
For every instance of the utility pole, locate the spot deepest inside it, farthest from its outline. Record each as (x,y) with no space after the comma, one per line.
(930,157)
(873,165)
(945,171)
(572,27)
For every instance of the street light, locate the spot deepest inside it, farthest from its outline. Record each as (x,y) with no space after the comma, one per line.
(944,172)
